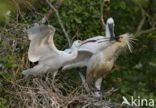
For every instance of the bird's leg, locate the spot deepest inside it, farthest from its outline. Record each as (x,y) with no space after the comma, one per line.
(53,80)
(84,82)
(54,75)
(98,92)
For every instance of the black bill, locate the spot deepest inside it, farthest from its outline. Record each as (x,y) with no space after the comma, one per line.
(111,30)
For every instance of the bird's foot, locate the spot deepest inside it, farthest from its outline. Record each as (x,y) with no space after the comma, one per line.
(98,94)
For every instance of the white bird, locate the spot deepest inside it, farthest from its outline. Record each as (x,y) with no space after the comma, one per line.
(91,46)
(43,50)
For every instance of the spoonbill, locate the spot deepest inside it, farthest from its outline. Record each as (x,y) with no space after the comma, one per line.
(91,46)
(43,50)
(101,63)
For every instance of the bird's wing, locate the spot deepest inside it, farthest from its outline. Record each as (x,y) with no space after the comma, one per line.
(86,50)
(80,61)
(41,45)
(95,44)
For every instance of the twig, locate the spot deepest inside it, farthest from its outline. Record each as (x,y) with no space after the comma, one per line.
(104,12)
(85,106)
(145,31)
(142,20)
(18,10)
(84,82)
(102,17)
(60,22)
(140,26)
(57,5)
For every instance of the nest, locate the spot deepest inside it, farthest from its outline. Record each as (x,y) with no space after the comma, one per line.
(39,93)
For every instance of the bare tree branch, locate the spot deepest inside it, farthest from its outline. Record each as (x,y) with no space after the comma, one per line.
(139,30)
(145,31)
(104,12)
(142,20)
(57,5)
(60,22)
(141,24)
(18,10)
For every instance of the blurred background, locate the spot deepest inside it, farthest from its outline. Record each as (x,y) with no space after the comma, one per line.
(134,73)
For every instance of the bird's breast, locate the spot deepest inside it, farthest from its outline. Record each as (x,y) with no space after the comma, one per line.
(101,68)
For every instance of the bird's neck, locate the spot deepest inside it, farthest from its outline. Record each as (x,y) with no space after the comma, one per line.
(74,52)
(113,51)
(107,32)
(68,57)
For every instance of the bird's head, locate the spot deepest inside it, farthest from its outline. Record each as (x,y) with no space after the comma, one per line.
(110,20)
(110,28)
(125,41)
(77,43)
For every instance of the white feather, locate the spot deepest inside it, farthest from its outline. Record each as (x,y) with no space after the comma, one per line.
(42,49)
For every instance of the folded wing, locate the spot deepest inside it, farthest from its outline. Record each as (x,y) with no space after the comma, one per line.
(86,50)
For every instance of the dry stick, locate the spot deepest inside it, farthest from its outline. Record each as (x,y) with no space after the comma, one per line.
(142,20)
(84,82)
(104,12)
(57,5)
(139,28)
(141,24)
(102,17)
(18,10)
(60,22)
(146,31)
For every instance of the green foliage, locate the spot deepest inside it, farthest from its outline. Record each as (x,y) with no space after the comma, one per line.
(3,103)
(6,11)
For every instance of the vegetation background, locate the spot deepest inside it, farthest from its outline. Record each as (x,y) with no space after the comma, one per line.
(135,73)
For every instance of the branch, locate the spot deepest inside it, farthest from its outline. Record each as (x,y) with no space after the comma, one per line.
(18,10)
(141,24)
(84,82)
(60,22)
(104,12)
(139,28)
(146,31)
(102,17)
(57,5)
(142,20)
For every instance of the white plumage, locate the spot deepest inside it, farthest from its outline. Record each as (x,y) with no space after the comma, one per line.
(42,49)
(91,46)
(81,53)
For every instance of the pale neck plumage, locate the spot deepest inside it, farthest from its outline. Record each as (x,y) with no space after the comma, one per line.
(107,31)
(74,52)
(112,51)
(68,57)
